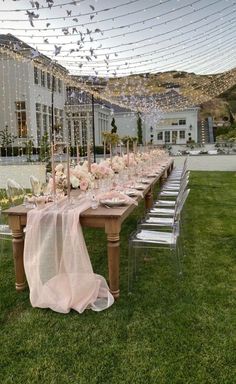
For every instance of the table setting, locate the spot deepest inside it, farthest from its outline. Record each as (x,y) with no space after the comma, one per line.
(74,197)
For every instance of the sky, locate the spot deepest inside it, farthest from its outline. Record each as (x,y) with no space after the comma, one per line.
(119,37)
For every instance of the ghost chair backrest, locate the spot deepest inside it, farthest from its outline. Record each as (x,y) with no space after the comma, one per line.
(15,192)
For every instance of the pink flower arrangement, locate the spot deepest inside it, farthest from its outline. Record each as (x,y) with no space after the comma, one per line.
(101,170)
(80,177)
(132,160)
(117,163)
(60,180)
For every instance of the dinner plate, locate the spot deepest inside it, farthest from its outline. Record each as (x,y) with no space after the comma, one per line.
(130,192)
(114,202)
(152,175)
(139,187)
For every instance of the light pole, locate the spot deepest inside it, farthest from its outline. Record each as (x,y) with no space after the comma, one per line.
(52,108)
(93,128)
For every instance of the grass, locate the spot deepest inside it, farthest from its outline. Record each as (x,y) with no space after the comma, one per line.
(168,331)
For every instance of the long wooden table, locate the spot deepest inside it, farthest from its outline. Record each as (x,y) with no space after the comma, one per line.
(109,219)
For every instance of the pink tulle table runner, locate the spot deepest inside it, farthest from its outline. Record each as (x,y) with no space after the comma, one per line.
(56,261)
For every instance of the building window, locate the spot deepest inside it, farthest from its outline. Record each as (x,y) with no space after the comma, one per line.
(45,119)
(84,132)
(54,84)
(38,120)
(182,134)
(182,122)
(174,137)
(21,119)
(167,136)
(36,75)
(102,125)
(160,136)
(43,81)
(59,85)
(48,80)
(58,122)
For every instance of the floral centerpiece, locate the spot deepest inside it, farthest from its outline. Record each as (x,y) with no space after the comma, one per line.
(101,170)
(130,160)
(60,180)
(80,177)
(117,163)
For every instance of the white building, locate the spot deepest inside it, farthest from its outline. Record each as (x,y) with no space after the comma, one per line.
(83,121)
(34,101)
(175,127)
(30,91)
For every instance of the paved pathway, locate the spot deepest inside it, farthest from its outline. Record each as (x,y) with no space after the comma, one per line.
(209,162)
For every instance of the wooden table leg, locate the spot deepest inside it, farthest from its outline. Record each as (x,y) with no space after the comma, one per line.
(113,254)
(149,200)
(18,251)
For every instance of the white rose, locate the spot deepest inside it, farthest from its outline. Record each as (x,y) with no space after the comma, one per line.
(74,182)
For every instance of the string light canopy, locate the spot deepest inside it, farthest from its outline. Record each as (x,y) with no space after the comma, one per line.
(97,42)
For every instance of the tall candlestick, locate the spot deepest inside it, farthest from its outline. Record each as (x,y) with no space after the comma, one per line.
(88,144)
(127,152)
(120,149)
(68,171)
(53,172)
(89,156)
(77,149)
(104,148)
(110,152)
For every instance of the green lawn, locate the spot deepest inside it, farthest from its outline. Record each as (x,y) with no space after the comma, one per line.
(168,331)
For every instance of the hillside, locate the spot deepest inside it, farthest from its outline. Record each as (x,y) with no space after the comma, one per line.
(216,94)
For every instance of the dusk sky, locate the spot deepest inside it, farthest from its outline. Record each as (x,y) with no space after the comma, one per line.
(119,37)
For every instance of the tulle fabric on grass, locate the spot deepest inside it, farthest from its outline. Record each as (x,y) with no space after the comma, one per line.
(57,263)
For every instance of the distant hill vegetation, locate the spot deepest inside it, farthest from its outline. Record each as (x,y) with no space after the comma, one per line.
(215,94)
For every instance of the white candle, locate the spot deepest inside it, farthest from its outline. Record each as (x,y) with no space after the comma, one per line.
(110,153)
(53,172)
(104,148)
(120,149)
(68,171)
(89,156)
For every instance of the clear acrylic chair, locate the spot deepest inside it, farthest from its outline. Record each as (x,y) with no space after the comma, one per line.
(178,172)
(145,240)
(176,183)
(5,233)
(15,192)
(172,193)
(164,218)
(36,185)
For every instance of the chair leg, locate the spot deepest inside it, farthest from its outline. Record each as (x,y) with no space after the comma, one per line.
(178,250)
(131,267)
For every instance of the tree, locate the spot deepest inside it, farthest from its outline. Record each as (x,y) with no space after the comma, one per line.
(6,137)
(29,145)
(139,129)
(44,154)
(113,124)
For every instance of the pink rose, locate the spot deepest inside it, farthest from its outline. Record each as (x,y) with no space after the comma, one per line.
(84,185)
